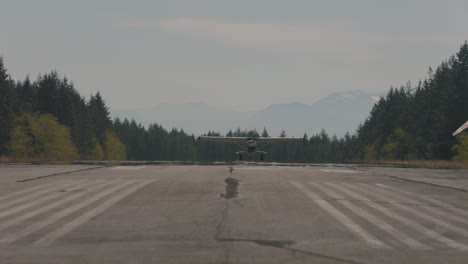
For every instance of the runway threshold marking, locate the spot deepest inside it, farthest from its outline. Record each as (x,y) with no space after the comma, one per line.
(96,186)
(392,197)
(70,226)
(61,214)
(28,190)
(128,167)
(411,242)
(427,207)
(411,223)
(37,201)
(345,220)
(428,199)
(339,171)
(32,195)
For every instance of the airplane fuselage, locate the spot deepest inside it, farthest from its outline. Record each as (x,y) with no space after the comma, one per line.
(251,146)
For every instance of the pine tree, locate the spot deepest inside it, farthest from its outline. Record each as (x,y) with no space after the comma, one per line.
(100,116)
(6,108)
(47,93)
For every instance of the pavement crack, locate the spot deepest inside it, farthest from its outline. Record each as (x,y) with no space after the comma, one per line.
(286,245)
(278,244)
(57,174)
(232,185)
(262,242)
(422,182)
(220,228)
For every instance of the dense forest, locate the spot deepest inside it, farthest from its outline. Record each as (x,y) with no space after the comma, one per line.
(48,119)
(416,122)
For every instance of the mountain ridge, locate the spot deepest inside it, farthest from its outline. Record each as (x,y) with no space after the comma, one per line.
(337,113)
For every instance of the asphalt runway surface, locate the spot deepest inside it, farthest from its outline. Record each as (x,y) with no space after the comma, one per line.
(261,214)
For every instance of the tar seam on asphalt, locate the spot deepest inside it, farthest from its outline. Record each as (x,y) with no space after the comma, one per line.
(279,244)
(422,182)
(57,174)
(232,185)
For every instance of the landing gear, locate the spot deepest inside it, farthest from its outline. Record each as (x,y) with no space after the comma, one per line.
(240,157)
(261,157)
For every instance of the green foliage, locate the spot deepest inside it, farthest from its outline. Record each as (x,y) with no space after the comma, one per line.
(410,122)
(461,149)
(7,102)
(370,153)
(396,146)
(114,149)
(42,137)
(96,151)
(51,94)
(23,143)
(417,122)
(99,114)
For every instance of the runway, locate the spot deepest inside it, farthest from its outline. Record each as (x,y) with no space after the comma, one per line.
(183,214)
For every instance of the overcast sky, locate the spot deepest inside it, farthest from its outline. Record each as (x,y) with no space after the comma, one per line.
(239,54)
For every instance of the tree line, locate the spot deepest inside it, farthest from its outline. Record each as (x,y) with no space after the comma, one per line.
(416,122)
(48,119)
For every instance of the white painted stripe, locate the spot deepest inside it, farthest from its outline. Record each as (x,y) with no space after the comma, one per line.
(16,220)
(61,214)
(371,218)
(29,190)
(413,224)
(33,195)
(429,199)
(392,197)
(346,221)
(339,171)
(70,226)
(37,201)
(442,213)
(128,167)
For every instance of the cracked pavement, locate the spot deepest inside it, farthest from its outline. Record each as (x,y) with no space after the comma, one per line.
(175,214)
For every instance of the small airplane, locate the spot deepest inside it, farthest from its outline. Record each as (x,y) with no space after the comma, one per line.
(250,146)
(460,129)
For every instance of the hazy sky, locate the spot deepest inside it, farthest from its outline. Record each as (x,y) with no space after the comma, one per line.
(240,54)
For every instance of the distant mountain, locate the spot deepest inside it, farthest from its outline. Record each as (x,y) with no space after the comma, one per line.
(337,113)
(197,118)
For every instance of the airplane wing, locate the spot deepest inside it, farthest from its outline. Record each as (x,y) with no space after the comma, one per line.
(279,139)
(460,129)
(223,139)
(244,139)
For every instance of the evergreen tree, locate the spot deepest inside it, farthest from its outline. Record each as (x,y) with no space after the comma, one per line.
(26,95)
(6,108)
(100,116)
(48,94)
